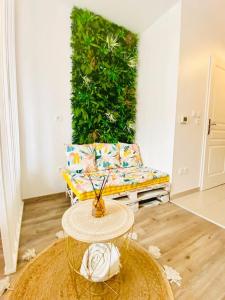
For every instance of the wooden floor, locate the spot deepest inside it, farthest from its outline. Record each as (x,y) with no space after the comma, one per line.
(191,245)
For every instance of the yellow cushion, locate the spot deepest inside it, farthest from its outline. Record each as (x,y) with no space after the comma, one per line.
(120,180)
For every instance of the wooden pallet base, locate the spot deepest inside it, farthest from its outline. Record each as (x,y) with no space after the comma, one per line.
(148,196)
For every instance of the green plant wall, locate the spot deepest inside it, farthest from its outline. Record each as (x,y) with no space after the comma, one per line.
(104,70)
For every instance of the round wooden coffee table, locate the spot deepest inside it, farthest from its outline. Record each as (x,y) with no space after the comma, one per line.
(86,232)
(79,224)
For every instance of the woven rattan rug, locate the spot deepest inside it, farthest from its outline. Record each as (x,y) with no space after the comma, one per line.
(48,277)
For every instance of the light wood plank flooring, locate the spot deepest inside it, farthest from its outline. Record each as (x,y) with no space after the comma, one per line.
(191,245)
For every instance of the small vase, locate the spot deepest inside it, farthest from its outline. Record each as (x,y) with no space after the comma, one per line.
(98,208)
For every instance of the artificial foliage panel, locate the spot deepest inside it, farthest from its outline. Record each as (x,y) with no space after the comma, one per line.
(104,70)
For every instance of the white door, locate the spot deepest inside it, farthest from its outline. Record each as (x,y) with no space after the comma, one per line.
(214,158)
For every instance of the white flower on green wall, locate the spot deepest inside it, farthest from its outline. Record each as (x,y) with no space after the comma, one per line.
(111,42)
(130,126)
(132,62)
(86,80)
(111,117)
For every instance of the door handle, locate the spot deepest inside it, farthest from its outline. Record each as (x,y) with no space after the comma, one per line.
(209,126)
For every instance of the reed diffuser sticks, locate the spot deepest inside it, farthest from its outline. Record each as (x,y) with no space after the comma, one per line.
(104,182)
(98,205)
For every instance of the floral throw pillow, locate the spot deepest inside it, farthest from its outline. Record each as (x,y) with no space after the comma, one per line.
(80,158)
(107,156)
(130,155)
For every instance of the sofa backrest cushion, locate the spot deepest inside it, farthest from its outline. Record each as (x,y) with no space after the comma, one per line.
(130,155)
(81,158)
(107,156)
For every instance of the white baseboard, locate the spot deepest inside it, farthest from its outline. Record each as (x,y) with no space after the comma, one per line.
(185,193)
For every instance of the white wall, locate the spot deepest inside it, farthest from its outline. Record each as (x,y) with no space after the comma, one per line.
(157,89)
(202,34)
(43,64)
(133,14)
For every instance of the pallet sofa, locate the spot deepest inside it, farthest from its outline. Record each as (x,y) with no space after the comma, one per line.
(129,181)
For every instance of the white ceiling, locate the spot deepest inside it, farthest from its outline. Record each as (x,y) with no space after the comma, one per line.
(136,15)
